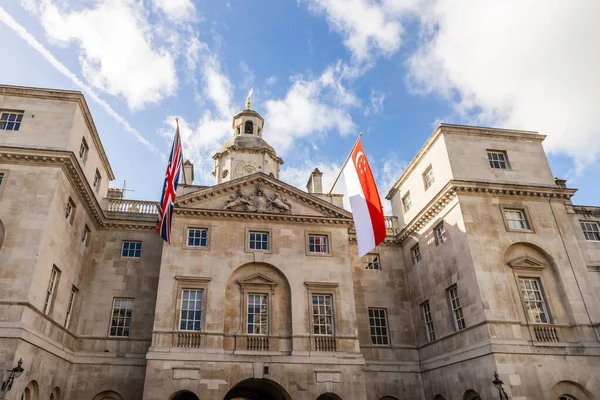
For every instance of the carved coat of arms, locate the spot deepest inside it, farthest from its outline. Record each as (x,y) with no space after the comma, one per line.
(258,201)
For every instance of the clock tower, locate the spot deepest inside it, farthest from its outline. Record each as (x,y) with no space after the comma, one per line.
(247,152)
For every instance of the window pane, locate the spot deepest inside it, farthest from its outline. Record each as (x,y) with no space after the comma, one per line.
(191,310)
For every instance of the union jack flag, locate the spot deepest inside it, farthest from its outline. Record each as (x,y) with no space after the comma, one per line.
(165,211)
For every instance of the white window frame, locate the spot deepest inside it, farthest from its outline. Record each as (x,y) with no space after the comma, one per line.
(498,159)
(202,231)
(378,327)
(5,120)
(129,249)
(440,233)
(194,310)
(70,306)
(588,230)
(326,245)
(126,328)
(70,210)
(97,180)
(318,318)
(514,217)
(83,149)
(263,322)
(372,261)
(428,177)
(456,308)
(528,294)
(406,202)
(51,290)
(259,234)
(428,322)
(415,253)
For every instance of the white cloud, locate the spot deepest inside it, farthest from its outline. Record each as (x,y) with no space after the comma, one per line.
(375,103)
(248,75)
(48,56)
(309,108)
(367,26)
(177,10)
(298,174)
(117,53)
(517,64)
(271,81)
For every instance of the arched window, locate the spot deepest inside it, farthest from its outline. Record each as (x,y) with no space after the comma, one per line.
(249,127)
(566,397)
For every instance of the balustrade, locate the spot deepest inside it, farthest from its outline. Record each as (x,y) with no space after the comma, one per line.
(257,343)
(188,339)
(545,333)
(132,206)
(325,343)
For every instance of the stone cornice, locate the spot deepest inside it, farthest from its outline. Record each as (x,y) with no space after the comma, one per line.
(64,95)
(263,216)
(479,188)
(461,130)
(67,161)
(333,213)
(237,149)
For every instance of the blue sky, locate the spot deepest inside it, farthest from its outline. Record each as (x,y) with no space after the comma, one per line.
(322,71)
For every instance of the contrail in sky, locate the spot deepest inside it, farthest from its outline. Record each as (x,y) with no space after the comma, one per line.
(60,67)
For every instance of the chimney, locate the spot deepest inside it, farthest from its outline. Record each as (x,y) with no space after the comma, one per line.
(188,172)
(561,182)
(315,182)
(114,193)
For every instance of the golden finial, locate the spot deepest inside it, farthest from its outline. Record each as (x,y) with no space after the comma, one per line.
(248,99)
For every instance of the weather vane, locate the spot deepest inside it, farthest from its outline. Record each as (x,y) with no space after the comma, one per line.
(248,99)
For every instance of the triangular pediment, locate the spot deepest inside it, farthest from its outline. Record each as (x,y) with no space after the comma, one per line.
(259,194)
(257,279)
(526,262)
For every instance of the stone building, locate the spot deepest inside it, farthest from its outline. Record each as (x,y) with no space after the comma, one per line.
(487,266)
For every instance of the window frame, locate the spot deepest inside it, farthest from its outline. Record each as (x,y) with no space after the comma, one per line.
(112,312)
(386,327)
(419,255)
(180,309)
(308,234)
(129,249)
(247,312)
(323,289)
(426,182)
(4,173)
(186,237)
(581,223)
(544,299)
(504,208)
(16,121)
(191,283)
(70,209)
(85,237)
(366,263)
(454,310)
(428,322)
(70,306)
(97,180)
(51,290)
(406,202)
(252,230)
(443,238)
(500,152)
(83,148)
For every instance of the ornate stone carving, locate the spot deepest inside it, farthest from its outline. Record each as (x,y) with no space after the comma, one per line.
(258,201)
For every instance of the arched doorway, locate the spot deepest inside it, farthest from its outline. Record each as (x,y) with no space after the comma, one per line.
(569,390)
(471,395)
(329,396)
(185,395)
(257,389)
(108,395)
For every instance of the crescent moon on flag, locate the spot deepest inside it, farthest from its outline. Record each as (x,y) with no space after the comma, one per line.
(358,156)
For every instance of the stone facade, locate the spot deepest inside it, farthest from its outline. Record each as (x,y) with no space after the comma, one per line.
(480,228)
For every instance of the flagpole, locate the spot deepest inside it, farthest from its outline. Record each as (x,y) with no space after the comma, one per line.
(345,162)
(177,130)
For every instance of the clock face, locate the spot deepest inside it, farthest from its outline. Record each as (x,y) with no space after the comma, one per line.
(246,168)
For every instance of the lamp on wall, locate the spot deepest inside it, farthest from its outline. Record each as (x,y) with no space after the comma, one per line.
(14,373)
(498,383)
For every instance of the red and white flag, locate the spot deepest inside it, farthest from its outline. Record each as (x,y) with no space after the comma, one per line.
(364,201)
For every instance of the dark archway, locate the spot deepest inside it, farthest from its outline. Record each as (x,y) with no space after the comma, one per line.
(1,234)
(329,396)
(471,395)
(257,389)
(185,395)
